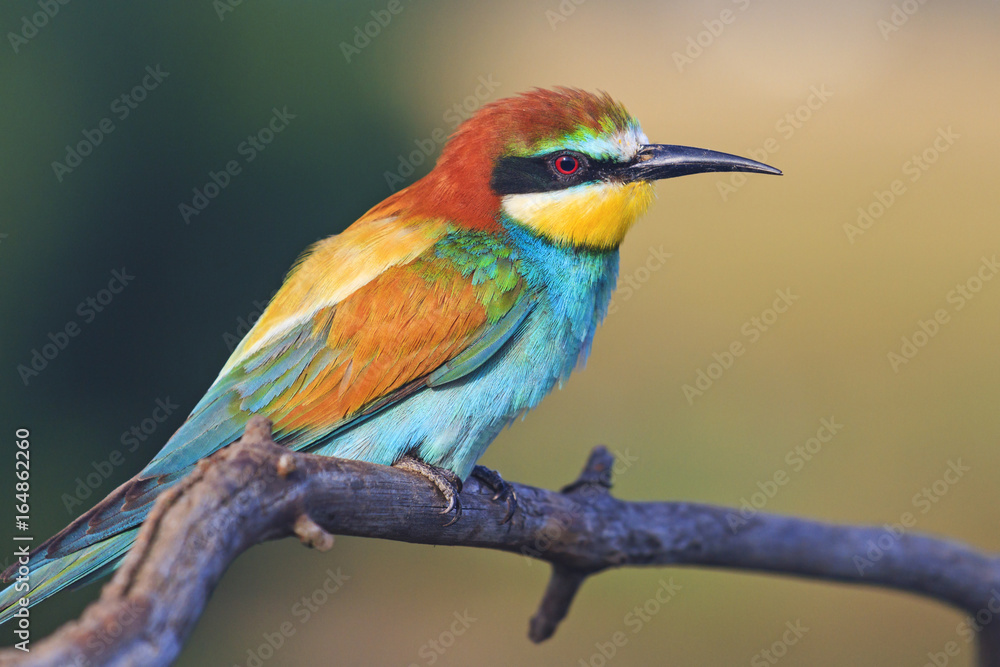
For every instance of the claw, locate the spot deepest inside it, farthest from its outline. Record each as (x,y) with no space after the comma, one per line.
(456,504)
(445,480)
(504,491)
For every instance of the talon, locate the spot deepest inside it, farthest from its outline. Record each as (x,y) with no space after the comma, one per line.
(457,505)
(445,480)
(453,504)
(504,491)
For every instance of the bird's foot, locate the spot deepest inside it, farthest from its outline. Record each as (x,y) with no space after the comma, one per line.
(445,480)
(503,491)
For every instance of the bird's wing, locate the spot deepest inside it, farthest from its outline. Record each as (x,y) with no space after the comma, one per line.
(327,353)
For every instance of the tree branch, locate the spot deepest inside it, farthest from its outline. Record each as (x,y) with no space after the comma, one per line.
(255,491)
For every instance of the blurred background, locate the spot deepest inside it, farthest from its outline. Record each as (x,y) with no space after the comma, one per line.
(882,235)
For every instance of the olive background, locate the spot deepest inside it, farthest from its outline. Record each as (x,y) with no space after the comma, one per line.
(844,97)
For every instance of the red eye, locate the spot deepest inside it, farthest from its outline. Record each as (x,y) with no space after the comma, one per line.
(567,164)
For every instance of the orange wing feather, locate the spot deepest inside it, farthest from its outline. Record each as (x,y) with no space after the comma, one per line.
(396,329)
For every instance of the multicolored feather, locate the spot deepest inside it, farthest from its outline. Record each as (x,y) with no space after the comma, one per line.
(428,325)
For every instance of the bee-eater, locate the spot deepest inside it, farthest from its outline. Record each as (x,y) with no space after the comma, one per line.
(417,334)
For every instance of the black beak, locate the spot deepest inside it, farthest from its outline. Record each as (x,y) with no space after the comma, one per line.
(656,161)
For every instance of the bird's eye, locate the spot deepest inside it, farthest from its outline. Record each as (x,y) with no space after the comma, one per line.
(567,164)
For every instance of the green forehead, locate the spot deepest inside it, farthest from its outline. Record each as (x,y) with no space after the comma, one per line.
(616,138)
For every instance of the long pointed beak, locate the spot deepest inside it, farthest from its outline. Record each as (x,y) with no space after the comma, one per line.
(656,161)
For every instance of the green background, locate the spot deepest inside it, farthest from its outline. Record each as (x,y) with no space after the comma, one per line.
(164,336)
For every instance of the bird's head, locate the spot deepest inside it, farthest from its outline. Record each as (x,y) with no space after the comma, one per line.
(572,166)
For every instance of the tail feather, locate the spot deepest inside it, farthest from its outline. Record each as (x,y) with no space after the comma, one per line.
(126,507)
(54,575)
(101,572)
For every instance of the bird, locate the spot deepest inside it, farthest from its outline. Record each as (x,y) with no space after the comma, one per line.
(441,315)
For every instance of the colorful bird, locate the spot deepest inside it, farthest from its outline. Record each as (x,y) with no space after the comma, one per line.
(417,334)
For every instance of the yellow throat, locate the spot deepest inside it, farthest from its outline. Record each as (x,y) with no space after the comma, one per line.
(593,215)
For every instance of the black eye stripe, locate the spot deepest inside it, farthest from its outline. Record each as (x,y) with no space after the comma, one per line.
(522,175)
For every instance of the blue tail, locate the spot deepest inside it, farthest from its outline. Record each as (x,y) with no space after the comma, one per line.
(53,575)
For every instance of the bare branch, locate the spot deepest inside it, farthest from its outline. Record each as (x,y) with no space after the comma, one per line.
(255,491)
